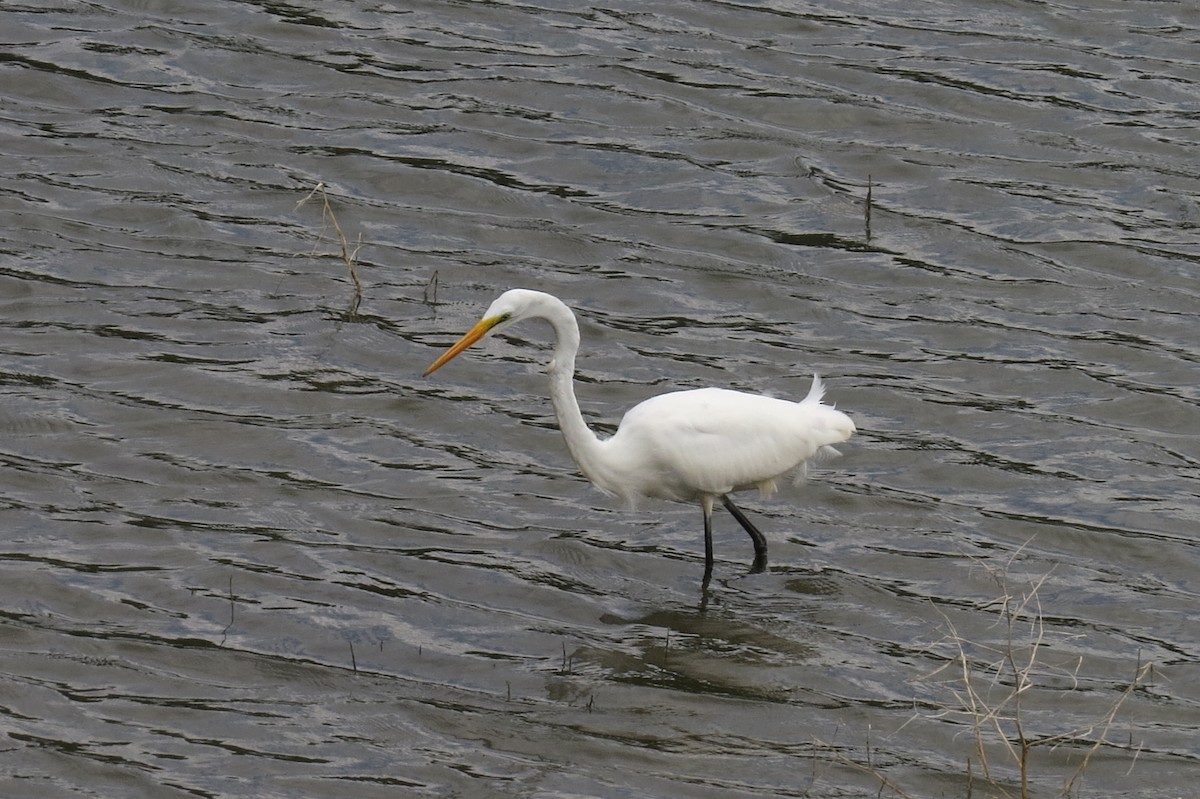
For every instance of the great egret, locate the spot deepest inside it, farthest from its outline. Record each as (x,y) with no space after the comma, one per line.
(688,446)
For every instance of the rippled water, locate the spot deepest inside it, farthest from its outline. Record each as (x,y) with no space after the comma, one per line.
(249,551)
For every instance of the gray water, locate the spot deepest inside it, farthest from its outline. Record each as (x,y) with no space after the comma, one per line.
(249,552)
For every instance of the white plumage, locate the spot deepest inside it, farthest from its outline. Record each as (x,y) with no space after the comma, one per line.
(687,446)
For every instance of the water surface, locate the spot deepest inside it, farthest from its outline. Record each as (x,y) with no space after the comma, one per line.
(251,552)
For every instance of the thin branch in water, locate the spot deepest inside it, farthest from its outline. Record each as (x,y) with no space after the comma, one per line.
(348,254)
(431,289)
(867,209)
(997,709)
(1140,676)
(228,627)
(884,780)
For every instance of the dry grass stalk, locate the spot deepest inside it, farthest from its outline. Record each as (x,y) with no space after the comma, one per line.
(348,254)
(867,208)
(1013,665)
(866,768)
(431,289)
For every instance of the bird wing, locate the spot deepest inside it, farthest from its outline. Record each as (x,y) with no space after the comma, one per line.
(713,441)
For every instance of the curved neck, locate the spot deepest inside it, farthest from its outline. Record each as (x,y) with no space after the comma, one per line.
(583,444)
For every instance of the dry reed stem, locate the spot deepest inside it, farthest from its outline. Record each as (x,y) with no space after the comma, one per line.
(884,780)
(431,289)
(348,255)
(1017,661)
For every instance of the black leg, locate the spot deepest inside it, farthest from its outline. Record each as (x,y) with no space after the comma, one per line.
(708,545)
(760,541)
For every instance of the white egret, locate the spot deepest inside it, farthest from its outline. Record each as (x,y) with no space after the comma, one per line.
(688,446)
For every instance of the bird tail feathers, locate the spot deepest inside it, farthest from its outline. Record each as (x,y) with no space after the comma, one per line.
(816,392)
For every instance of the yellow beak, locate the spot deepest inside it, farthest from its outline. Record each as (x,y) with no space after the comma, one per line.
(471,336)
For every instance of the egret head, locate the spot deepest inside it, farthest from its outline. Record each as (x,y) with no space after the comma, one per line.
(509,308)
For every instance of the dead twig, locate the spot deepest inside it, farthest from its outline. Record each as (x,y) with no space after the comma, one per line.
(868,768)
(431,289)
(867,209)
(348,254)
(1014,665)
